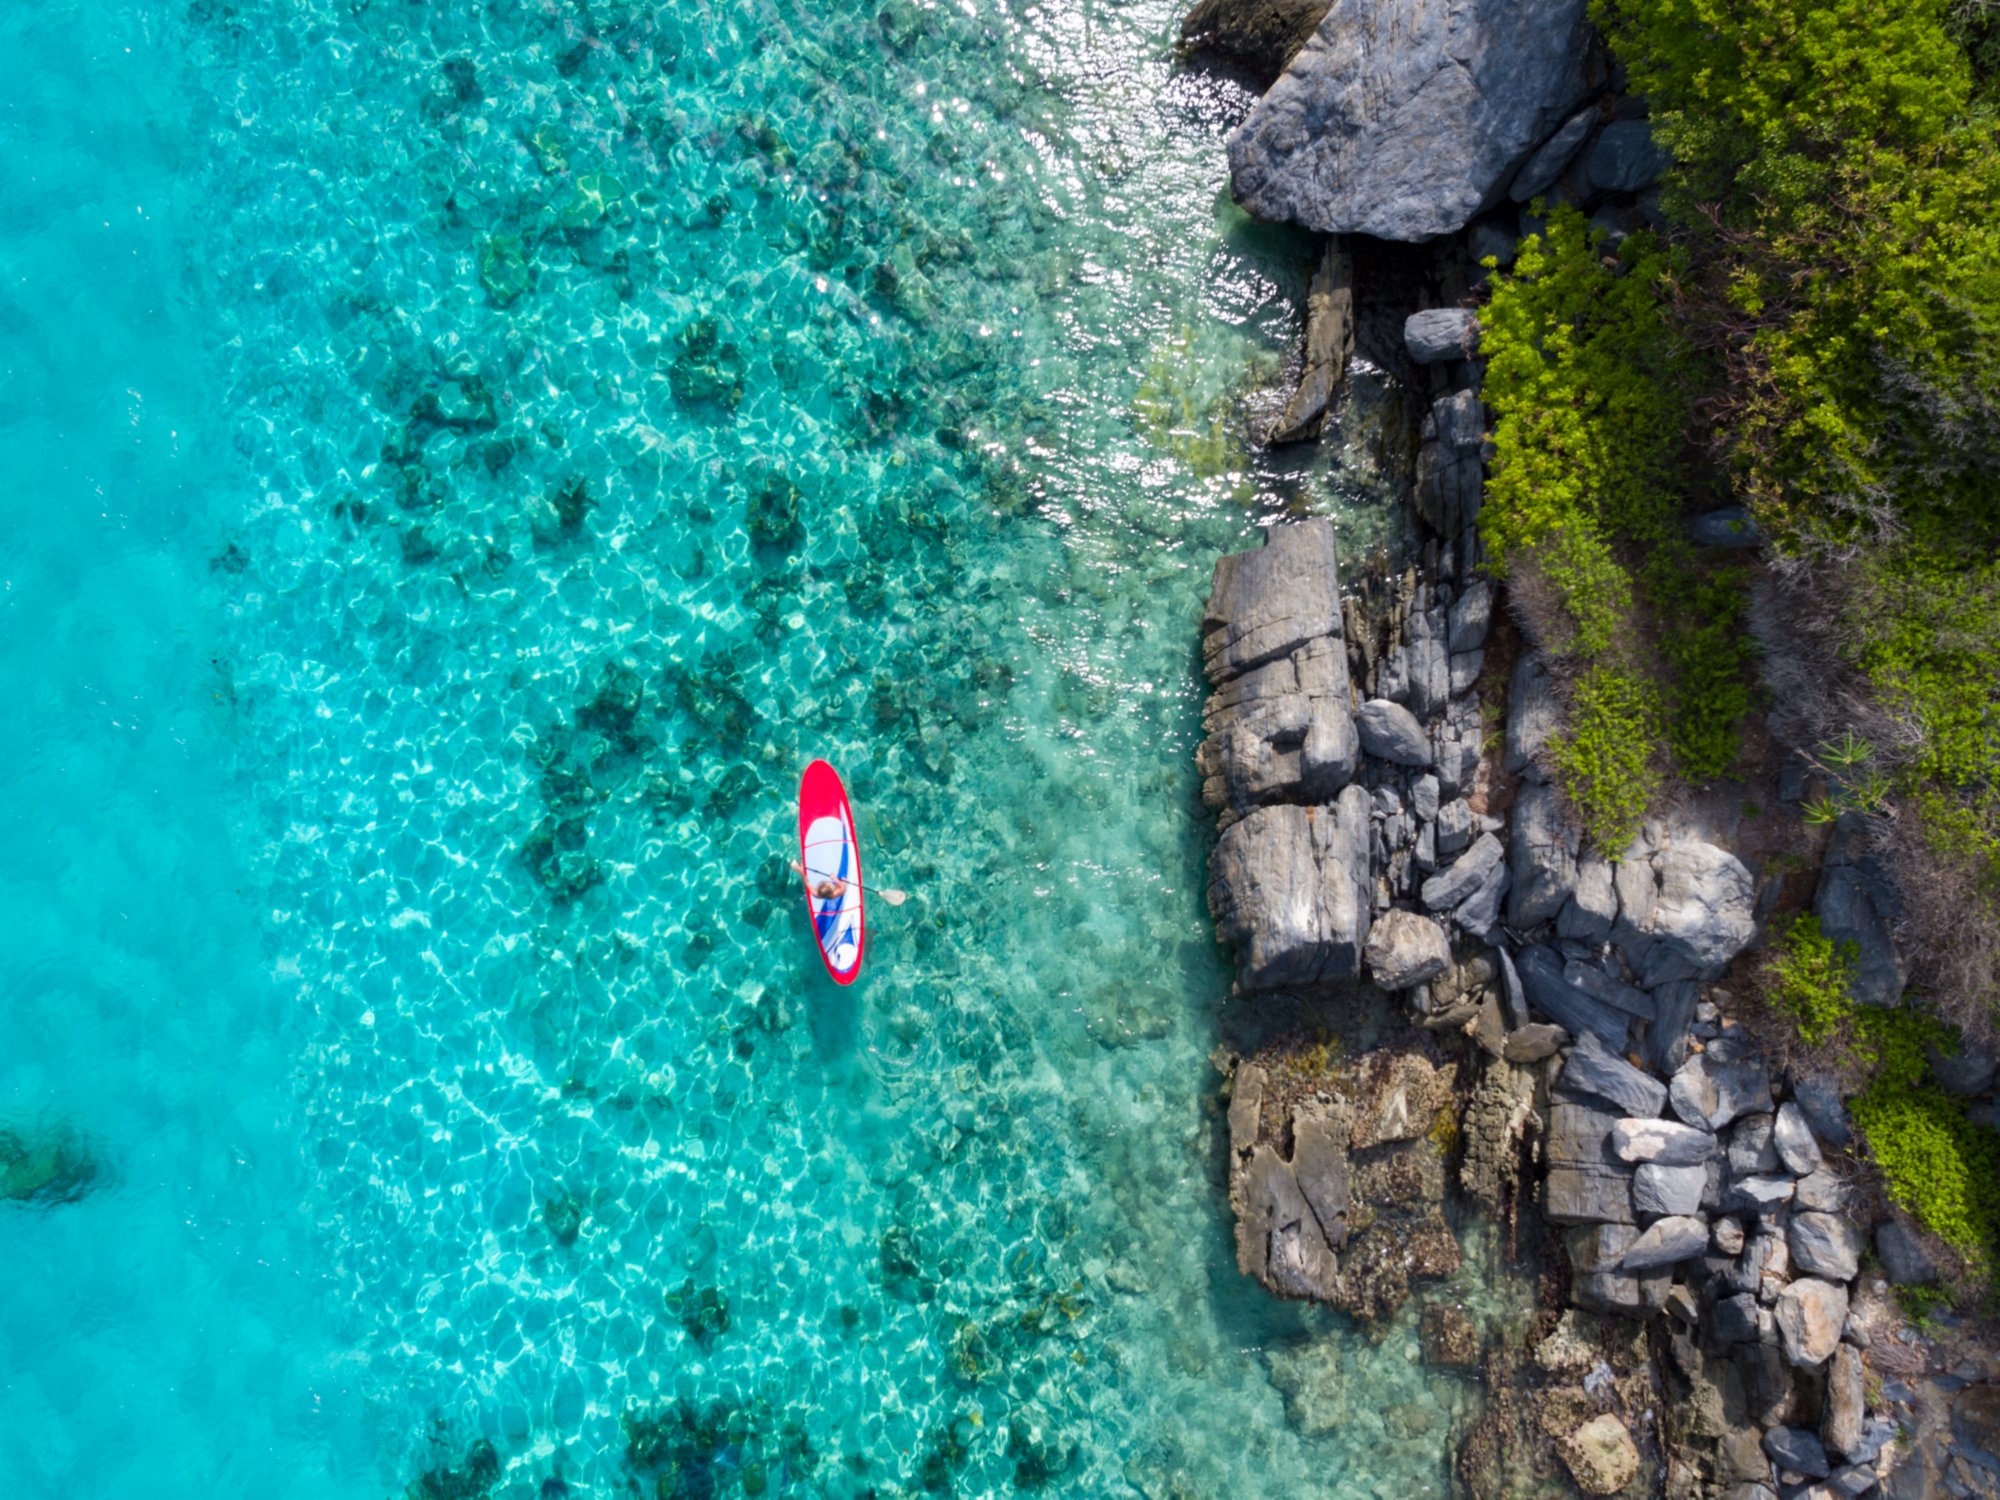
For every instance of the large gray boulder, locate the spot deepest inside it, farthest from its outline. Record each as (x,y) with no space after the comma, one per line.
(1585,1182)
(1667,1243)
(1405,949)
(1391,732)
(1448,888)
(1685,911)
(1256,37)
(1402,119)
(1850,905)
(1810,1315)
(1288,887)
(1267,603)
(1439,335)
(1542,981)
(1826,1245)
(1280,732)
(1593,1068)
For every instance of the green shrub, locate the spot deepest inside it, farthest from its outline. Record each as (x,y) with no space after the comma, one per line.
(1811,978)
(1936,1162)
(1605,756)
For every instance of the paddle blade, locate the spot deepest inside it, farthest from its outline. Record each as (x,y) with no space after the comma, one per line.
(893,897)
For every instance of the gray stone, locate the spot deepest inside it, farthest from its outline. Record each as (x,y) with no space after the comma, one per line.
(1826,1245)
(1903,1255)
(1478,912)
(1280,732)
(1810,1314)
(1532,1043)
(1267,603)
(1465,669)
(1849,1483)
(1471,616)
(1732,526)
(1441,334)
(1601,987)
(1761,1195)
(1876,1434)
(1329,343)
(1289,890)
(1451,464)
(1541,975)
(1404,950)
(1667,1038)
(1447,888)
(1850,907)
(1967,1070)
(1593,1068)
(1822,1192)
(1797,1449)
(1843,1418)
(1454,829)
(1555,153)
(1661,1141)
(1584,1183)
(1424,798)
(1669,1190)
(1793,1138)
(1532,716)
(1667,1243)
(1593,906)
(1391,732)
(1624,158)
(1751,1152)
(1698,916)
(1541,856)
(1711,1093)
(1728,1236)
(1403,121)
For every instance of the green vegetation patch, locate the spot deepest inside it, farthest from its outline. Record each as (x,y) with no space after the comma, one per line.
(1589,385)
(1811,979)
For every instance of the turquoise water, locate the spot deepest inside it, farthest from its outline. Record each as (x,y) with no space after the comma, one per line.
(460,466)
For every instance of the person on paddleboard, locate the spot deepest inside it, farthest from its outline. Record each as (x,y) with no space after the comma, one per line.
(832,888)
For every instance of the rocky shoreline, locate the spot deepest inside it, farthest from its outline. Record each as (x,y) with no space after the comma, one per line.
(1465,1020)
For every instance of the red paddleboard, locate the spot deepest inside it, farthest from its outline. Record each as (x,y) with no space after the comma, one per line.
(832,857)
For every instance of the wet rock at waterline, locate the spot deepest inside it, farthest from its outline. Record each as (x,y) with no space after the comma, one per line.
(1288,888)
(1354,1213)
(1402,122)
(1329,343)
(1257,37)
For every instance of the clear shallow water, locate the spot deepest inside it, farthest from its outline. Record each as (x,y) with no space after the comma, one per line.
(464,466)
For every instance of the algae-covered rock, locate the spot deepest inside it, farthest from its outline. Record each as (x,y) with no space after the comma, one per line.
(504,270)
(1601,1456)
(54,1167)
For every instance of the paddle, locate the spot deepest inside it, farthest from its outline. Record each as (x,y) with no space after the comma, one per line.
(887,893)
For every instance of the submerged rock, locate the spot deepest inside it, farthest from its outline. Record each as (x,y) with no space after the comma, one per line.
(50,1168)
(1402,121)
